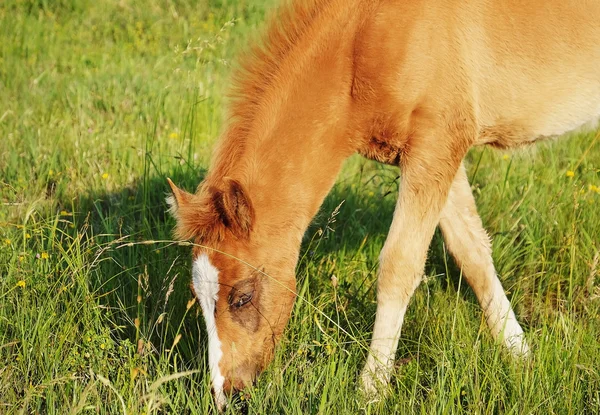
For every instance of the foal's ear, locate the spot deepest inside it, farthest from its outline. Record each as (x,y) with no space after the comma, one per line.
(193,218)
(234,208)
(212,212)
(178,197)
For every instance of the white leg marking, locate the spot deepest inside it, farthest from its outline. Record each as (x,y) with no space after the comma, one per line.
(380,361)
(205,278)
(503,323)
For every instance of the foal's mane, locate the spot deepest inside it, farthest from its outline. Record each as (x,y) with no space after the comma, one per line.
(258,69)
(260,66)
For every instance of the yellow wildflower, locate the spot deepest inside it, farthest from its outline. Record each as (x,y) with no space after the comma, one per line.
(21,284)
(27,235)
(570,173)
(50,172)
(173,135)
(45,255)
(505,157)
(103,346)
(105,176)
(7,241)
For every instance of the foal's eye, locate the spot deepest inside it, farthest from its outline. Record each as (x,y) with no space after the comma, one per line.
(242,300)
(242,293)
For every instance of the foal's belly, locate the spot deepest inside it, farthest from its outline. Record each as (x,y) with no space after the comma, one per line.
(551,124)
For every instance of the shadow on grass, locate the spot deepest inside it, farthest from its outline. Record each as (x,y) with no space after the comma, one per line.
(352,226)
(149,278)
(141,277)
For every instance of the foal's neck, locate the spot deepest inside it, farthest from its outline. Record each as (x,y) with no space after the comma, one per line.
(288,135)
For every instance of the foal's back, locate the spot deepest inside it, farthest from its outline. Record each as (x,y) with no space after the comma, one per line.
(521,70)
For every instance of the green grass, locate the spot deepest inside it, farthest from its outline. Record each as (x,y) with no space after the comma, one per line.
(100,101)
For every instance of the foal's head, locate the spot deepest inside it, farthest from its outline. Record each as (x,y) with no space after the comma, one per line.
(245,309)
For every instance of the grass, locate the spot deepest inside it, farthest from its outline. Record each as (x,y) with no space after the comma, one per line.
(100,101)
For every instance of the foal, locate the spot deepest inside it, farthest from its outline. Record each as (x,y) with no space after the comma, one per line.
(410,83)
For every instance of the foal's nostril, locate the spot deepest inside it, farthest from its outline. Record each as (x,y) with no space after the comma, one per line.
(235,387)
(238,379)
(232,388)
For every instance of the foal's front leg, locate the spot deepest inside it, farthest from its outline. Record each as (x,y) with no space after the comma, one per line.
(427,174)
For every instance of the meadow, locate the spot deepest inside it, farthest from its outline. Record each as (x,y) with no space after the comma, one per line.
(100,101)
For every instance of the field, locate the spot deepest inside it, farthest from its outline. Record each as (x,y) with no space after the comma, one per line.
(100,101)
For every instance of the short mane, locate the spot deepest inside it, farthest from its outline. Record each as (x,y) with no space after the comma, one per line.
(257,70)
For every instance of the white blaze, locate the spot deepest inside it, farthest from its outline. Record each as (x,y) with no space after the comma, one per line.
(205,278)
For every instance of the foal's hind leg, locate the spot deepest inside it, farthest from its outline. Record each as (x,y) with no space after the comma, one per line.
(470,245)
(428,170)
